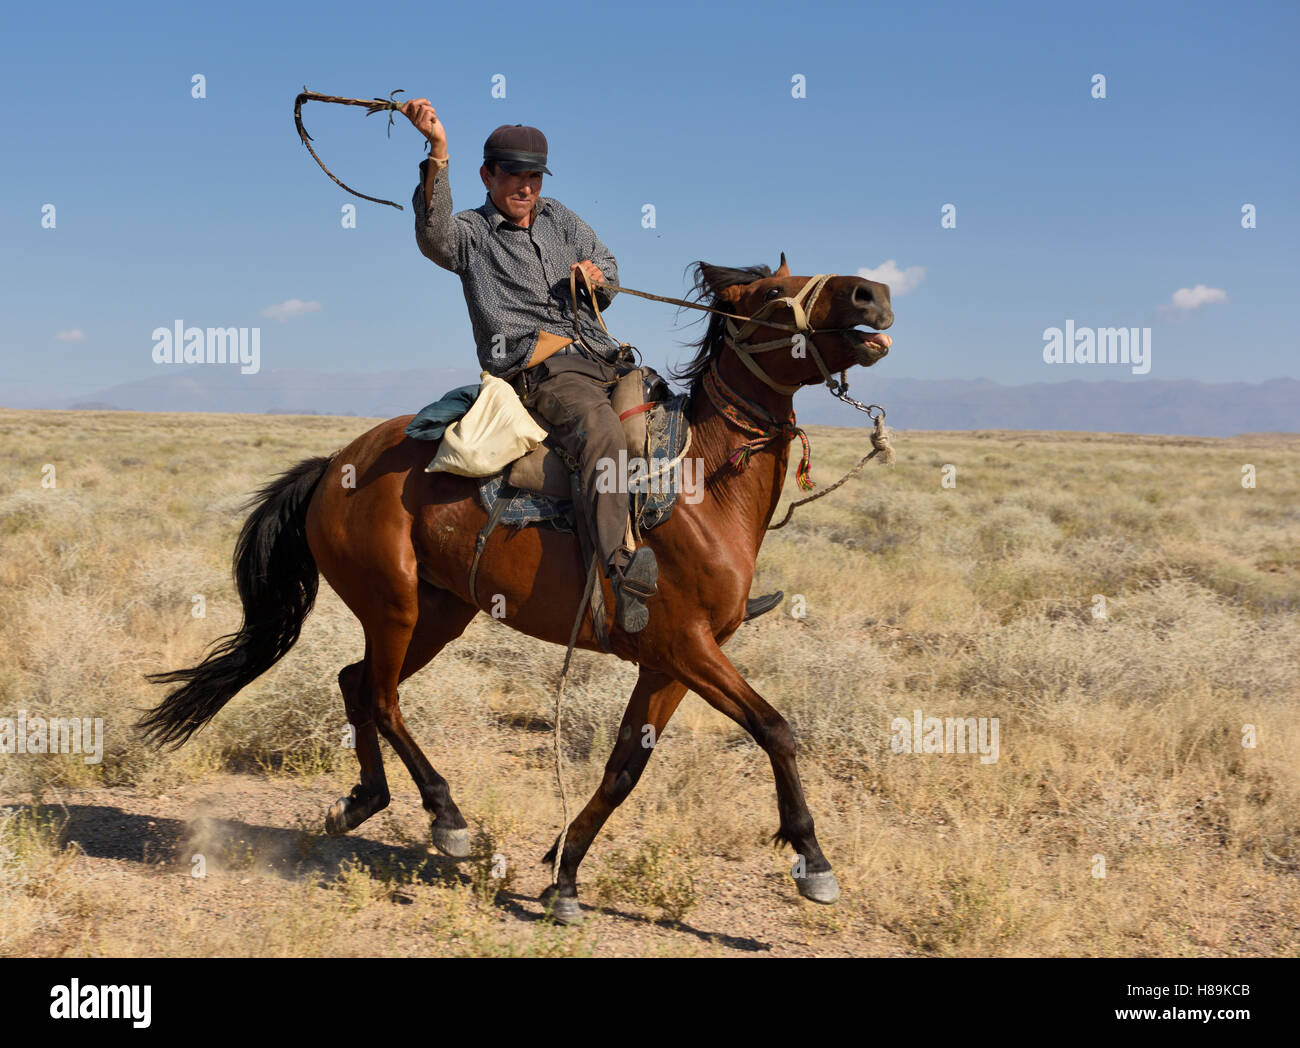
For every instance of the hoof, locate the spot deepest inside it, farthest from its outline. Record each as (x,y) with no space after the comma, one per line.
(452,843)
(336,819)
(818,887)
(347,813)
(563,909)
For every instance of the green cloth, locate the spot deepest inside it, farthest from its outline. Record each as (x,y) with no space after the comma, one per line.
(433,421)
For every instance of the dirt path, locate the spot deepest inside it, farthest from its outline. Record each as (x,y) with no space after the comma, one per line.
(273,884)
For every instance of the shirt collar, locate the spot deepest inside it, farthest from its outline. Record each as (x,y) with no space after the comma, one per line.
(496,219)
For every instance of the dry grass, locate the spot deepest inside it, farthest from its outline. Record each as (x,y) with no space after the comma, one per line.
(1121,739)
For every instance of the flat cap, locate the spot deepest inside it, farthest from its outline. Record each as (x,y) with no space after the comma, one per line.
(517,148)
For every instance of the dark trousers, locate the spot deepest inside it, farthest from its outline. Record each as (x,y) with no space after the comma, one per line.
(572,393)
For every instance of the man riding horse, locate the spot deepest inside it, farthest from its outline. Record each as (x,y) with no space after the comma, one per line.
(514,255)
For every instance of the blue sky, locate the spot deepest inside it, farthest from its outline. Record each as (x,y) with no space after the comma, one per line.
(1068,207)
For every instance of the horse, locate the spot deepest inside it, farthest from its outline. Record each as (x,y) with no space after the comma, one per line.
(396,544)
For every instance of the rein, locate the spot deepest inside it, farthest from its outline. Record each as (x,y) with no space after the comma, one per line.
(801,303)
(744,414)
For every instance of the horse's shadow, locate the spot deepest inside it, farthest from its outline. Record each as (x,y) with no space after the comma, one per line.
(186,847)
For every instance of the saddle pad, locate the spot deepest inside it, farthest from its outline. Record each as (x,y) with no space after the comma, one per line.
(668,427)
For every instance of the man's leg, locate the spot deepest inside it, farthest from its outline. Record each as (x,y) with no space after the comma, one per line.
(586,426)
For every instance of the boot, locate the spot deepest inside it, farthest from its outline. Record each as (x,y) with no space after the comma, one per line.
(633,585)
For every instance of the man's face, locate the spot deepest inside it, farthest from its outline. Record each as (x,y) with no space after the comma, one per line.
(514,195)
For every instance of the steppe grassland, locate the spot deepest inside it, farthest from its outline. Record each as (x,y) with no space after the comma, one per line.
(1121,738)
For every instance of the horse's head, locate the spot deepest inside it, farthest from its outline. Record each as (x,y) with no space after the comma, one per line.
(830,313)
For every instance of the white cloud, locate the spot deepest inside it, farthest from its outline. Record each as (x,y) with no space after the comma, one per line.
(1195,297)
(71,335)
(900,281)
(294,307)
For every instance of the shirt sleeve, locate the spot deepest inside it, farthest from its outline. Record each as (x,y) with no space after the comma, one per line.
(443,238)
(590,246)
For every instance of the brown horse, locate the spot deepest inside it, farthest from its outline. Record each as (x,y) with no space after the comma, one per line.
(396,544)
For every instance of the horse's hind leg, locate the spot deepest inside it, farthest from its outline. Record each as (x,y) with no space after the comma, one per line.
(371,794)
(442,618)
(397,647)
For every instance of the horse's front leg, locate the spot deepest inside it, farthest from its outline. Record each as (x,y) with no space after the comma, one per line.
(653,702)
(710,674)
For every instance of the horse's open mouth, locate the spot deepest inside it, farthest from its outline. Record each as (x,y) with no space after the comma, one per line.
(870,344)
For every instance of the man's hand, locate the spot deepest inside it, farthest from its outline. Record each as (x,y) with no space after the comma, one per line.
(591,269)
(425,118)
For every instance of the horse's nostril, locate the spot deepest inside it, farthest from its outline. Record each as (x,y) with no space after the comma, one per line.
(863,297)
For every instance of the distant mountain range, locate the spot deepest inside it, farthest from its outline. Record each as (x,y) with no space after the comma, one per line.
(1146,406)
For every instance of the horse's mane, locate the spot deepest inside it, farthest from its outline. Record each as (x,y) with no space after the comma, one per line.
(709,282)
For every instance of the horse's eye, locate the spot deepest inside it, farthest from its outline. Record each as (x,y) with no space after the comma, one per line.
(772,293)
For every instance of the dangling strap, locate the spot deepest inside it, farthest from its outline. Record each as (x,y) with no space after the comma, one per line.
(504,494)
(733,407)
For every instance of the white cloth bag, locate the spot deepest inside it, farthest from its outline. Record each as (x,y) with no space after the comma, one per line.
(495,431)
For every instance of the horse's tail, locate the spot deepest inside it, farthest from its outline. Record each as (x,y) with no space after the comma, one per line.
(277,579)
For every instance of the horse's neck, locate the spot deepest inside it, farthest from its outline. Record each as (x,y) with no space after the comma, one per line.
(744,499)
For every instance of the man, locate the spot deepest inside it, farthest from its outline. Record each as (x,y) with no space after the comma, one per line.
(513,256)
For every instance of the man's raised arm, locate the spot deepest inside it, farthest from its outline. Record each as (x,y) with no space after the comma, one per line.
(440,237)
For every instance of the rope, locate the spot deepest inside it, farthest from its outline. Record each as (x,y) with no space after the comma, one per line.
(881,445)
(559,709)
(667,467)
(685,304)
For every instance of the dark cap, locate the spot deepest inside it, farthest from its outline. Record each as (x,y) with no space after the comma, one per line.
(517,148)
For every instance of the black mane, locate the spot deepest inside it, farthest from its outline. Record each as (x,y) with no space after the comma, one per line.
(709,283)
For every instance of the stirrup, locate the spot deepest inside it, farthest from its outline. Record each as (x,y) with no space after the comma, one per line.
(633,586)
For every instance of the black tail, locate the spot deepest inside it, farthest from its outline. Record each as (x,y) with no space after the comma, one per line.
(277,580)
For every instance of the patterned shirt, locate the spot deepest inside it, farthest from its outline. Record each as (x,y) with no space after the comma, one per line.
(515,279)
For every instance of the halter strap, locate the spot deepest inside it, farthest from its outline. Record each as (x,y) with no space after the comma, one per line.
(801,304)
(742,413)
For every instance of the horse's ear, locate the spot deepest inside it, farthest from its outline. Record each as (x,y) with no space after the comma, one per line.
(782,270)
(731,294)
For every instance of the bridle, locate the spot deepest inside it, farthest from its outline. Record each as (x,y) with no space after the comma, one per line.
(740,411)
(801,304)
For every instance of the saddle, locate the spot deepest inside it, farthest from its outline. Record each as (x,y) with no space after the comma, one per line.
(544,469)
(540,488)
(543,484)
